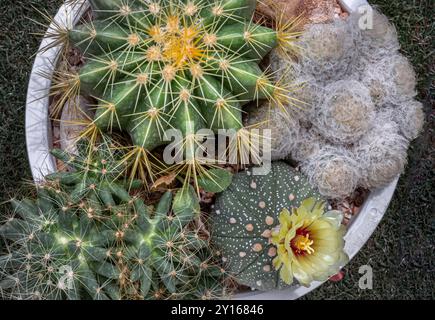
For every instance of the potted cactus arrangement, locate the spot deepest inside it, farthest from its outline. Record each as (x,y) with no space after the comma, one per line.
(204,150)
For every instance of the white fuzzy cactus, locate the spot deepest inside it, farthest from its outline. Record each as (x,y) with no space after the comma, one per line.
(378,38)
(359,112)
(390,80)
(328,50)
(410,118)
(345,113)
(305,93)
(333,170)
(381,154)
(308,144)
(284,129)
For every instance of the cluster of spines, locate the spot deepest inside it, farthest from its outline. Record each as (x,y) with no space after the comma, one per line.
(158,65)
(85,236)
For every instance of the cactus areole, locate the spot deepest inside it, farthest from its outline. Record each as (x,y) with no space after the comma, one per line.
(245,216)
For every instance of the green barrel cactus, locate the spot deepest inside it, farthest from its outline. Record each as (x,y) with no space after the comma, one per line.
(182,64)
(245,216)
(85,236)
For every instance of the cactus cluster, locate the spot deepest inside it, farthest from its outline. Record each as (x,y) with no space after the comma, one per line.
(248,214)
(173,64)
(359,109)
(103,242)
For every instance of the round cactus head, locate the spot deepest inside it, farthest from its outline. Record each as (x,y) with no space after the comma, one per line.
(246,214)
(333,170)
(381,154)
(390,80)
(346,112)
(327,50)
(378,36)
(175,64)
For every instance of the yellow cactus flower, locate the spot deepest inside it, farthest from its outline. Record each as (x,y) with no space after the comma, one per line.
(309,243)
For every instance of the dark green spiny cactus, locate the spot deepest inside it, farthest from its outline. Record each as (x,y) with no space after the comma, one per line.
(244,217)
(61,248)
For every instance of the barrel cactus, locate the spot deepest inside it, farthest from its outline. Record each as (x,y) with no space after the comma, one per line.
(106,245)
(187,65)
(246,214)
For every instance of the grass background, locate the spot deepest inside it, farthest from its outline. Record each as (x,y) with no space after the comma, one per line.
(401,251)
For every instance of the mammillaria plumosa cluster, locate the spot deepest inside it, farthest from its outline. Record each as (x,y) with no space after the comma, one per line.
(358,111)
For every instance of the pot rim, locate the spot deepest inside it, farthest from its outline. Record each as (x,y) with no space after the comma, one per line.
(39,143)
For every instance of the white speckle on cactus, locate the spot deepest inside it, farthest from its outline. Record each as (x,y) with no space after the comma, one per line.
(242,203)
(297,178)
(259,283)
(253,185)
(233,220)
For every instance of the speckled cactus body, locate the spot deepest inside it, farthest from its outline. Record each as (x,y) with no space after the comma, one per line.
(244,216)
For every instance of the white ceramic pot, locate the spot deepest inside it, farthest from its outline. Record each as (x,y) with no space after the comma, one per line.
(38,137)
